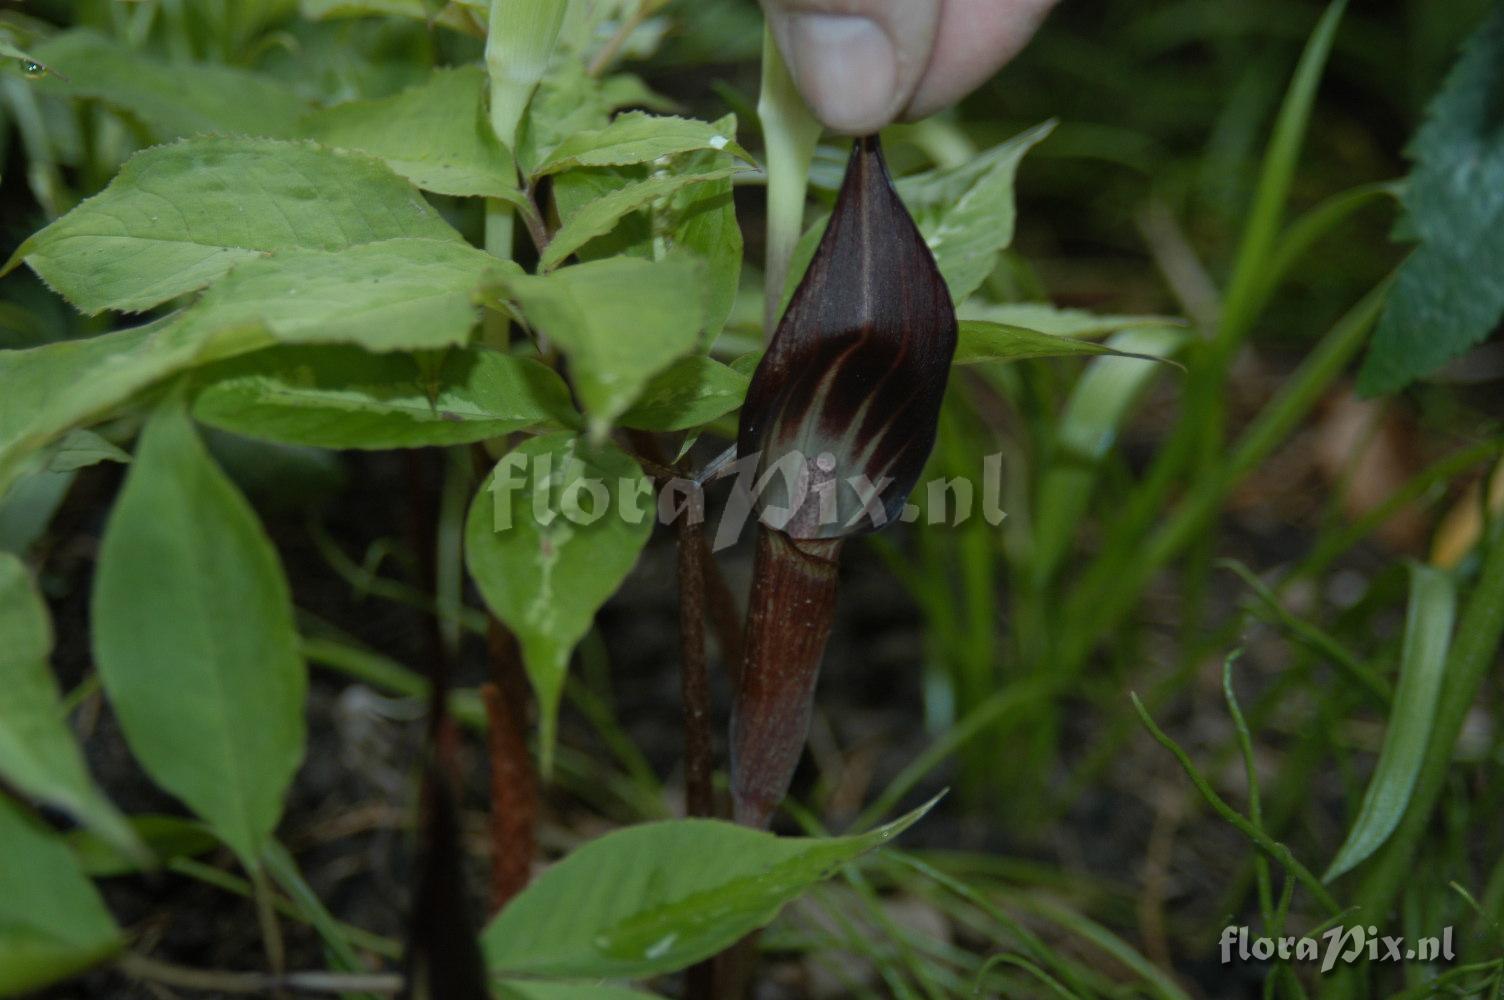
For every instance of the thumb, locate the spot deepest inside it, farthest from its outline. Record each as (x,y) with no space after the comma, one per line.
(857,62)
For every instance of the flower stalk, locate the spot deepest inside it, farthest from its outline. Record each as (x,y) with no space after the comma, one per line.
(839,419)
(789,615)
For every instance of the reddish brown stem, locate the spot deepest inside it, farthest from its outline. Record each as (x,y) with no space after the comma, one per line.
(788,621)
(724,615)
(694,679)
(514,784)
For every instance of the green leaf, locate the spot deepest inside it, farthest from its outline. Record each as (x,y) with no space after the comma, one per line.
(165,837)
(1059,322)
(599,216)
(620,321)
(194,638)
(170,99)
(632,234)
(80,449)
(46,390)
(30,63)
(657,897)
(38,755)
(461,15)
(1447,296)
(689,393)
(178,217)
(636,137)
(980,341)
(703,220)
(344,397)
(568,101)
(552,533)
(52,922)
(524,990)
(967,213)
(1423,661)
(520,39)
(402,294)
(436,135)
(30,505)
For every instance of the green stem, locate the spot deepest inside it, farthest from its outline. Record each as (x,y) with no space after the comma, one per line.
(789,133)
(1275,850)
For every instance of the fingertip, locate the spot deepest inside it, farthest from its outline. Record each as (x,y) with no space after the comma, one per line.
(974,39)
(847,69)
(857,62)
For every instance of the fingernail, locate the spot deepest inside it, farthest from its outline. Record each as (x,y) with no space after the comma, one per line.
(846,68)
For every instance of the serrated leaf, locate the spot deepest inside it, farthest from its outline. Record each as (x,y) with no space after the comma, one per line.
(1449,294)
(1423,661)
(980,341)
(46,390)
(194,638)
(636,137)
(620,321)
(344,397)
(52,922)
(689,393)
(703,220)
(568,100)
(178,217)
(402,294)
(631,235)
(599,216)
(38,754)
(170,99)
(1059,322)
(542,571)
(435,134)
(658,897)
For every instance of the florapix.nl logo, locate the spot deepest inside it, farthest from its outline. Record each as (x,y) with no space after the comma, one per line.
(543,488)
(1337,945)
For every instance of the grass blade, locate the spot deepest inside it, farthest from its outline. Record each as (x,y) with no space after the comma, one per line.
(1428,634)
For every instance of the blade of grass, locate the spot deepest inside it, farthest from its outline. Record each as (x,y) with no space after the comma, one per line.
(1472,655)
(984,715)
(1276,174)
(1428,633)
(1033,970)
(1158,981)
(1113,585)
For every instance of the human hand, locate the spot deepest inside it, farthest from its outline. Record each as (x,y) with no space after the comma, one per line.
(862,64)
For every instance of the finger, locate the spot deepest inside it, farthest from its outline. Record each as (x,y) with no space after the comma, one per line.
(974,39)
(857,62)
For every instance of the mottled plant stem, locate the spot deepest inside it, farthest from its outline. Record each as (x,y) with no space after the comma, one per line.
(789,616)
(724,615)
(694,677)
(514,783)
